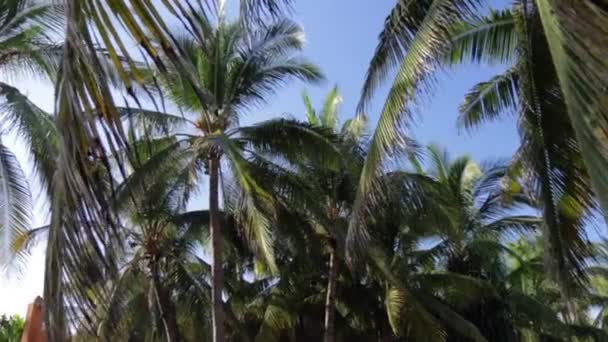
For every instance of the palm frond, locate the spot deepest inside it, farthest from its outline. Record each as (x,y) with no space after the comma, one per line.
(490,39)
(329,114)
(311,115)
(452,319)
(399,31)
(277,320)
(15,206)
(151,122)
(252,207)
(486,101)
(576,34)
(405,314)
(35,126)
(82,188)
(255,10)
(293,141)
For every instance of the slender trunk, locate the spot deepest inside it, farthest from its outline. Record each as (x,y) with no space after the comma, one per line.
(330,300)
(217,272)
(166,308)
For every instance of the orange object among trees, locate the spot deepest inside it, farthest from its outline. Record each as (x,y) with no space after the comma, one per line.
(34,322)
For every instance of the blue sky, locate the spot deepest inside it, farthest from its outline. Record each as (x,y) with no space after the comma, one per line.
(341,36)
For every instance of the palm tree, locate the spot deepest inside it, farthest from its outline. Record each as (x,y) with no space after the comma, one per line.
(576,35)
(452,34)
(160,270)
(549,156)
(335,188)
(236,69)
(414,40)
(83,87)
(468,216)
(26,49)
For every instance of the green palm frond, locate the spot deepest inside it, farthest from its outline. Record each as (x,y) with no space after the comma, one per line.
(486,101)
(452,319)
(329,114)
(16,15)
(553,155)
(151,122)
(23,244)
(535,315)
(354,128)
(407,315)
(82,187)
(399,31)
(26,28)
(277,320)
(253,205)
(576,34)
(422,29)
(15,206)
(311,115)
(161,162)
(489,39)
(259,9)
(120,313)
(35,126)
(515,224)
(294,141)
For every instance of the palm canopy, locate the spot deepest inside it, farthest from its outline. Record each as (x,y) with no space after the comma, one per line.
(84,154)
(549,156)
(417,35)
(236,70)
(246,69)
(26,49)
(550,148)
(459,236)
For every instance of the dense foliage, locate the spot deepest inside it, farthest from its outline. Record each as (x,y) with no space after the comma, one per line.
(11,328)
(173,221)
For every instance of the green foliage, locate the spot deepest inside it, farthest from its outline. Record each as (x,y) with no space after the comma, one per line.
(11,328)
(418,246)
(26,49)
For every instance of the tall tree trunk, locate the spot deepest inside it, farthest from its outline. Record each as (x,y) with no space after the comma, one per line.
(329,334)
(166,308)
(217,272)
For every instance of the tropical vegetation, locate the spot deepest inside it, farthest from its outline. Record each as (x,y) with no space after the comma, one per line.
(173,220)
(11,328)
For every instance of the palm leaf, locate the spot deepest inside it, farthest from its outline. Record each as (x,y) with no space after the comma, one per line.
(15,206)
(329,114)
(35,126)
(253,205)
(487,100)
(576,34)
(489,39)
(293,141)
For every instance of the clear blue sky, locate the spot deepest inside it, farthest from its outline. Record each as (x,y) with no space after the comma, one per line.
(341,36)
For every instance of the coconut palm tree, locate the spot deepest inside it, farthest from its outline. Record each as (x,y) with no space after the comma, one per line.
(416,35)
(549,150)
(335,190)
(26,49)
(83,88)
(549,156)
(237,70)
(469,216)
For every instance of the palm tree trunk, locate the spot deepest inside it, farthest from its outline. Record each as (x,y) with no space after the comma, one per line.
(217,272)
(166,308)
(330,300)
